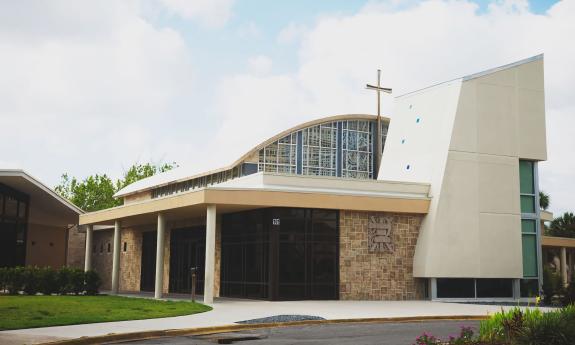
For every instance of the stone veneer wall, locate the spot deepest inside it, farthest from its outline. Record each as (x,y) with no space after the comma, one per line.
(75,250)
(378,276)
(101,258)
(131,259)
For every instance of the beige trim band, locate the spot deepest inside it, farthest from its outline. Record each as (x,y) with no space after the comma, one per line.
(261,199)
(551,241)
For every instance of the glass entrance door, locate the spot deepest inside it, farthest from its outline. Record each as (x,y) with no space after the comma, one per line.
(187,250)
(148,268)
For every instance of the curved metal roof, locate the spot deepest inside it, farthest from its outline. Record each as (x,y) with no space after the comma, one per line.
(183,174)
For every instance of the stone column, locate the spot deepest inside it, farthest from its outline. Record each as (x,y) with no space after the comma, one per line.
(564,265)
(88,254)
(210,254)
(116,258)
(160,256)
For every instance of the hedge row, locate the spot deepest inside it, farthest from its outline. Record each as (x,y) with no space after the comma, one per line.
(32,280)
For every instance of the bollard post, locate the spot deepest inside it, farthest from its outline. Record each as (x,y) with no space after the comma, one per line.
(193,271)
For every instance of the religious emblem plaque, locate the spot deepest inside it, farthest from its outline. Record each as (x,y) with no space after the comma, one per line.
(379,236)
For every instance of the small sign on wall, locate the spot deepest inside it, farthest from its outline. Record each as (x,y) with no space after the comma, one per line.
(276,221)
(379,236)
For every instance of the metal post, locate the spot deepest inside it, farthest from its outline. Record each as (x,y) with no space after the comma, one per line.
(193,271)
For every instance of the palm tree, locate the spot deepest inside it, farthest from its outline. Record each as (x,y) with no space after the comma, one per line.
(544,200)
(563,226)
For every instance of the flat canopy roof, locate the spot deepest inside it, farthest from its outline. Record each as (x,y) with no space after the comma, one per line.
(551,241)
(46,206)
(273,190)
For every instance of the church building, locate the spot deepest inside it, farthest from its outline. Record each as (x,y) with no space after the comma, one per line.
(438,202)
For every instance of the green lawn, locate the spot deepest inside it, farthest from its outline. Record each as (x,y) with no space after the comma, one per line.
(41,311)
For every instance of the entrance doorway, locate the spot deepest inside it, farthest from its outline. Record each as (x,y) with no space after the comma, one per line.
(187,250)
(280,254)
(148,268)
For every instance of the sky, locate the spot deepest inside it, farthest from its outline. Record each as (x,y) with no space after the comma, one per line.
(92,87)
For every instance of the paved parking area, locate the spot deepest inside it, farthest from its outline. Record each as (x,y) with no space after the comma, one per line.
(342,334)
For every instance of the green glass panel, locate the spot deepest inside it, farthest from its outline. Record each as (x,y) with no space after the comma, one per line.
(527,204)
(526,177)
(528,226)
(529,256)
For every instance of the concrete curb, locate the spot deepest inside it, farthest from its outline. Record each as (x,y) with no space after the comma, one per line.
(121,337)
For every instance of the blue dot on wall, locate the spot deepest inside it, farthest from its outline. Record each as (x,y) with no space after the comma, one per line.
(417,120)
(408,167)
(403,141)
(410,106)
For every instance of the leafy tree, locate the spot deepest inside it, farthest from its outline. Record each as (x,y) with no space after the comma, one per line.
(96,192)
(140,171)
(544,200)
(563,226)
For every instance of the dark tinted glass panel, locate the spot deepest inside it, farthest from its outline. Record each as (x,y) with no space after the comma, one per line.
(528,225)
(148,261)
(187,250)
(494,288)
(455,288)
(529,242)
(245,258)
(526,177)
(280,253)
(22,210)
(527,204)
(11,207)
(529,287)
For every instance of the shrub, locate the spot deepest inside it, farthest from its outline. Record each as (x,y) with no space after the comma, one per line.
(530,327)
(551,285)
(31,280)
(93,282)
(14,280)
(3,273)
(64,277)
(427,339)
(76,280)
(569,293)
(465,337)
(48,281)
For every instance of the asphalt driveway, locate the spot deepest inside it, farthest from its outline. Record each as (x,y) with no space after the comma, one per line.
(343,334)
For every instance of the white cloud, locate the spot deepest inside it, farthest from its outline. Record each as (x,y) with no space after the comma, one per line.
(291,33)
(249,31)
(260,64)
(86,99)
(416,46)
(210,13)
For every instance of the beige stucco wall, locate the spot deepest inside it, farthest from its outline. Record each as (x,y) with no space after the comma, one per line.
(468,144)
(46,246)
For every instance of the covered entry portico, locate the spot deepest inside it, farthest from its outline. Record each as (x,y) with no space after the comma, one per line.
(205,208)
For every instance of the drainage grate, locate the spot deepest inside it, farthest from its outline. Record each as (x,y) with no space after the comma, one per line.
(230,338)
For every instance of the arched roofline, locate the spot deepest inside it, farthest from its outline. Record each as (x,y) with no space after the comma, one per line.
(256,149)
(302,126)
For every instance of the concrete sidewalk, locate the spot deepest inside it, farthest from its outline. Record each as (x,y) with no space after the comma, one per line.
(227,312)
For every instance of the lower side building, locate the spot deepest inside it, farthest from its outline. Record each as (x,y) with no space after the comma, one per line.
(37,226)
